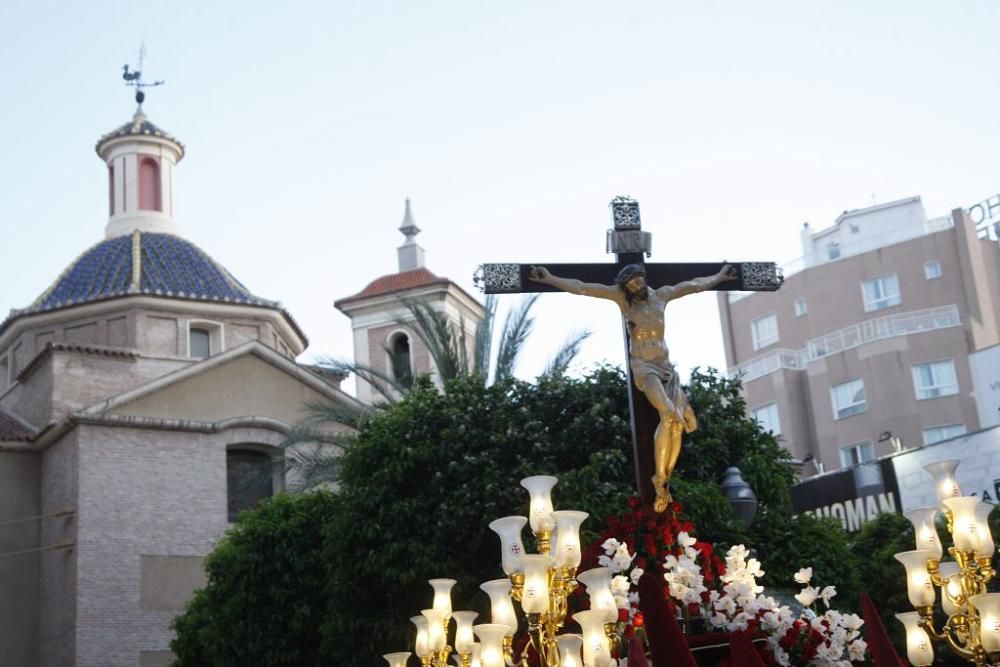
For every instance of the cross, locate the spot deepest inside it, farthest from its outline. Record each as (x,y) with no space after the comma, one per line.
(630,245)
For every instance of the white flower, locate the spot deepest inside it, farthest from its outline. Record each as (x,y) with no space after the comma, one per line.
(604,561)
(685,540)
(636,574)
(610,546)
(807,596)
(828,593)
(802,576)
(619,585)
(622,559)
(856,650)
(781,656)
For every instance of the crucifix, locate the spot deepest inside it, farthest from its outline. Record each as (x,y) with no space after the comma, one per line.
(659,409)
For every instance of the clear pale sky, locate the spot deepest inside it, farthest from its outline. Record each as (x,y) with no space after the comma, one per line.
(509,124)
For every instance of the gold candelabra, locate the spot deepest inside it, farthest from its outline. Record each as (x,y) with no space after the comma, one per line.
(972,628)
(541,584)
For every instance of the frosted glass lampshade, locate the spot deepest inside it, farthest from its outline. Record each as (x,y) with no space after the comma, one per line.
(965,526)
(397,659)
(919,588)
(540,489)
(949,572)
(596,649)
(511,547)
(442,595)
(422,647)
(945,485)
(569,647)
(464,638)
(986,545)
(501,607)
(567,551)
(988,606)
(918,645)
(598,583)
(476,648)
(535,595)
(491,643)
(435,629)
(922,519)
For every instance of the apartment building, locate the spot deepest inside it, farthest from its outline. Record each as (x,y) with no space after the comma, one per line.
(886,334)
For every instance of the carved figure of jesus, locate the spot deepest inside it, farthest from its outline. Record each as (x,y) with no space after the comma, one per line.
(649,360)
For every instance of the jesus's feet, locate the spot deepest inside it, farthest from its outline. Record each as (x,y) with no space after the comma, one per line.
(663,497)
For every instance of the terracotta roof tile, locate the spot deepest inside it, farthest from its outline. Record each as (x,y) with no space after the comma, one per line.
(12,428)
(396,282)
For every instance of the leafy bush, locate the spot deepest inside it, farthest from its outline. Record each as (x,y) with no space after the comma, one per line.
(266,590)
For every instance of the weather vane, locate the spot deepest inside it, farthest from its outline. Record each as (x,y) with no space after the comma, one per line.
(134,78)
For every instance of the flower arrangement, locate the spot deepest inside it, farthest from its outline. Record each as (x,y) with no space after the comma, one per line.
(727,596)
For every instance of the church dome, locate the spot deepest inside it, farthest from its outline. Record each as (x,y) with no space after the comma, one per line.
(144,263)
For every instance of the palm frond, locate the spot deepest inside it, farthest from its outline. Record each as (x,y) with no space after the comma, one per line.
(433,328)
(484,338)
(387,386)
(565,355)
(517,326)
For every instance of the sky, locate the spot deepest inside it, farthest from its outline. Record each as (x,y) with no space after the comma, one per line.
(509,125)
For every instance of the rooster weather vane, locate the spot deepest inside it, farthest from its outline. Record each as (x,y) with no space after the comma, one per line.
(134,78)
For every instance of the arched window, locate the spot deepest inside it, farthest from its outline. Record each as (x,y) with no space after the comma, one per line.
(199,343)
(150,197)
(249,479)
(399,356)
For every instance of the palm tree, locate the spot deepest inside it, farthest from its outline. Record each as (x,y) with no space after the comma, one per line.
(312,448)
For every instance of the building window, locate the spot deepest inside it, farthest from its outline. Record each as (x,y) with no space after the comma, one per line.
(4,372)
(150,195)
(935,379)
(399,358)
(767,417)
(764,331)
(848,398)
(800,307)
(932,269)
(249,479)
(204,338)
(863,452)
(832,250)
(881,292)
(939,433)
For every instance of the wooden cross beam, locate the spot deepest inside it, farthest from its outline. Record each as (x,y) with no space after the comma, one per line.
(630,245)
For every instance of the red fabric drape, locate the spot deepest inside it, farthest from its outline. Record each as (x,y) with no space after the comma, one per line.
(666,641)
(878,639)
(742,651)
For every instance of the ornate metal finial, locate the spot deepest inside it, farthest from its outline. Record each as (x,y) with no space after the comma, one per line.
(625,213)
(134,78)
(627,236)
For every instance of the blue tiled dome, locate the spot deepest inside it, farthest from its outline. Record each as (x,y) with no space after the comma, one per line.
(167,266)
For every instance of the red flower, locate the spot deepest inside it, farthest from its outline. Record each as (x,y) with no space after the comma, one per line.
(638,620)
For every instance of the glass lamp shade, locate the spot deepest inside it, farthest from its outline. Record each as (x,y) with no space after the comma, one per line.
(986,545)
(945,484)
(988,606)
(569,650)
(919,588)
(535,595)
(442,595)
(965,526)
(511,547)
(598,583)
(491,643)
(422,647)
(464,639)
(501,607)
(949,572)
(540,489)
(922,519)
(918,645)
(397,659)
(596,648)
(435,629)
(567,550)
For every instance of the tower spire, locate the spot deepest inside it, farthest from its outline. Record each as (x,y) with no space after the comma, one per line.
(411,255)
